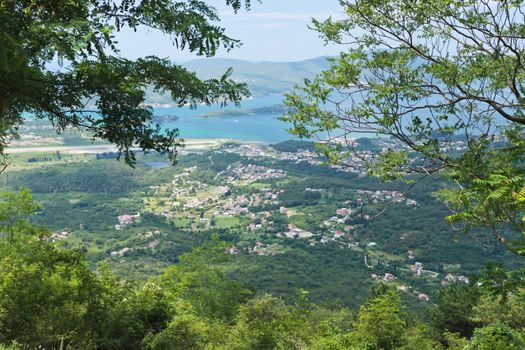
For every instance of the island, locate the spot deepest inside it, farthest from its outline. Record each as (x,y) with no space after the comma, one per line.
(244,112)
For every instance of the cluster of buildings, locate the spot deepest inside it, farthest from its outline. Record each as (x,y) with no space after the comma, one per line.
(155,233)
(294,231)
(248,151)
(59,236)
(454,146)
(197,202)
(121,252)
(234,206)
(301,156)
(125,220)
(252,173)
(387,277)
(450,278)
(239,205)
(342,215)
(385,195)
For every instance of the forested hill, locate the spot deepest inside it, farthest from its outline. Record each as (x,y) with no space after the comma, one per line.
(263,78)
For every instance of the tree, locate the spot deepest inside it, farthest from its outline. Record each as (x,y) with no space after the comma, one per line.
(267,323)
(380,323)
(50,298)
(496,337)
(185,331)
(433,76)
(455,310)
(199,279)
(45,293)
(96,88)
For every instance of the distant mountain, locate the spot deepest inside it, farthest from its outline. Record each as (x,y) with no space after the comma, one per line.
(263,78)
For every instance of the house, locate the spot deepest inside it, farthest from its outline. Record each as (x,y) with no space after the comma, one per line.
(371,244)
(411,202)
(58,236)
(417,268)
(153,244)
(450,277)
(125,219)
(339,234)
(423,297)
(389,277)
(343,212)
(232,251)
(463,279)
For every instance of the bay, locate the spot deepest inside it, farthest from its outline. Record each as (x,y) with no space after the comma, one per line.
(261,127)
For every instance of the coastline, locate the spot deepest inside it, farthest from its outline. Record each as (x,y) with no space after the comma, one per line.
(199,144)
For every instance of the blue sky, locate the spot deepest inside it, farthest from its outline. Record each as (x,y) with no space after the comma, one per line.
(274,30)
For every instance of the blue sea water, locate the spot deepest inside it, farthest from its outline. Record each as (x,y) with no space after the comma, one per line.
(265,128)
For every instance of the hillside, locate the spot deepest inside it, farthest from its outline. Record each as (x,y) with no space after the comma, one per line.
(263,78)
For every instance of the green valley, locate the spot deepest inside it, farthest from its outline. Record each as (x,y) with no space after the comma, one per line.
(290,221)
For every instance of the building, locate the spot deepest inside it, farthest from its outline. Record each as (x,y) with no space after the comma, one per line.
(423,297)
(389,277)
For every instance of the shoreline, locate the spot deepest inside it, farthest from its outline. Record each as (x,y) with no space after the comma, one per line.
(189,145)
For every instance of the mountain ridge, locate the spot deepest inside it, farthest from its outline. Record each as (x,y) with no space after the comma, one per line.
(263,78)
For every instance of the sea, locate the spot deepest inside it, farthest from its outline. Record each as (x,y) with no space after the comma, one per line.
(261,127)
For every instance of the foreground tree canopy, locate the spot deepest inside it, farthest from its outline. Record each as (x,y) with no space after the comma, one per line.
(50,298)
(96,88)
(434,75)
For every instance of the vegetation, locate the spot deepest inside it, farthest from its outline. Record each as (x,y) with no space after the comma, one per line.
(263,78)
(267,247)
(51,299)
(275,109)
(96,89)
(84,197)
(424,73)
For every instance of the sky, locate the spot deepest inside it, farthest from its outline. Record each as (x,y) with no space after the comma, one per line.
(274,30)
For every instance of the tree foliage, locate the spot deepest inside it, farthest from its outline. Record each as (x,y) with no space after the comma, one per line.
(434,75)
(96,88)
(50,298)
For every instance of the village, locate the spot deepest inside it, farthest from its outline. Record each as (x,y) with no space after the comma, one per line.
(245,199)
